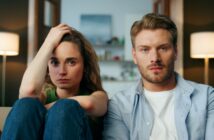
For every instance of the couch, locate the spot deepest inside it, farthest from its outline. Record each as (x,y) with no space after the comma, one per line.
(3,114)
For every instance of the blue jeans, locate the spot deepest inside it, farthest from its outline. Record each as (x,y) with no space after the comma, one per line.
(29,120)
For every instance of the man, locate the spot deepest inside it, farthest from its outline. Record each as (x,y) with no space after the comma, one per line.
(162,105)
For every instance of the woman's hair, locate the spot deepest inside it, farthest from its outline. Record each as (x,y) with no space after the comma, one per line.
(91,80)
(154,21)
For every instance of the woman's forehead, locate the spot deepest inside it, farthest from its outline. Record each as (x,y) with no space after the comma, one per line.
(66,48)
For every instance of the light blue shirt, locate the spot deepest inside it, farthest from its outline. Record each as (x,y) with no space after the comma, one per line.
(130,117)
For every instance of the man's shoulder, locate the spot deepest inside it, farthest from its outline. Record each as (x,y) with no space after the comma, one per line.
(124,97)
(127,92)
(194,86)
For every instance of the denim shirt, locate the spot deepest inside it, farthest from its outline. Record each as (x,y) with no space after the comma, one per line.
(130,117)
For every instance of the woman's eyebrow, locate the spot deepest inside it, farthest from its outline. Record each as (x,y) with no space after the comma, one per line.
(53,58)
(71,58)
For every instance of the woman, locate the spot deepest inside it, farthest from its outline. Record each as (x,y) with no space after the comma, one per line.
(76,92)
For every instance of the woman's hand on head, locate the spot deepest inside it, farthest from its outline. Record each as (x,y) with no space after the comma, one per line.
(56,33)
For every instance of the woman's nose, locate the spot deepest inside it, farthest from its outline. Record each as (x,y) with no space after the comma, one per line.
(62,69)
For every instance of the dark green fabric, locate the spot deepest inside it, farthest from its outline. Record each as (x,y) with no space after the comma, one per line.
(51,96)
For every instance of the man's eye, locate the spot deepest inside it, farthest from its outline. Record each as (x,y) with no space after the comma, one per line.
(144,50)
(164,49)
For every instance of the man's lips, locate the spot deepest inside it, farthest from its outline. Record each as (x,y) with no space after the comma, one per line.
(155,68)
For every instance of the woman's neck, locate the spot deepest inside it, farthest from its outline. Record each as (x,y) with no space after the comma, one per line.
(65,93)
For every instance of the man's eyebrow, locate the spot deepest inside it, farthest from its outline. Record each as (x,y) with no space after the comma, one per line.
(142,46)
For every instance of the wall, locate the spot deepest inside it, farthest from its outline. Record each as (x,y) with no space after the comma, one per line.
(72,9)
(198,16)
(176,14)
(13,18)
(119,10)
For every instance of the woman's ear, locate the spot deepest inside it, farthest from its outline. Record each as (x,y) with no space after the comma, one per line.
(176,52)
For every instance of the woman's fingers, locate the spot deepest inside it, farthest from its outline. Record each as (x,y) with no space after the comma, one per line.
(56,33)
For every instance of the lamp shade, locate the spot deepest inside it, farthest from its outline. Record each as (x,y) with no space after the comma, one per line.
(9,43)
(202,45)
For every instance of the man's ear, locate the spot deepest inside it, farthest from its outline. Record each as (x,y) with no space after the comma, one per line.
(134,55)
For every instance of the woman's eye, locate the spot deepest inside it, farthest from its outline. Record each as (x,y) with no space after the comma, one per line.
(71,62)
(54,62)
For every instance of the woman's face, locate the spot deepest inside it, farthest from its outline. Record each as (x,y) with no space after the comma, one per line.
(66,66)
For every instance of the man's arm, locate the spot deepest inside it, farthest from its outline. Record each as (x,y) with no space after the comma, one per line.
(210,116)
(114,126)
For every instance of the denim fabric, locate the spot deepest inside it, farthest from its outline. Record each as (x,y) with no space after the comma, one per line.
(66,120)
(29,120)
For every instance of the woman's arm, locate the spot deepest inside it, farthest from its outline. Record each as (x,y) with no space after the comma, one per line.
(94,104)
(34,75)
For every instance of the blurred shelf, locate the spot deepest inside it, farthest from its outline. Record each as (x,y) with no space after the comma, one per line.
(107,46)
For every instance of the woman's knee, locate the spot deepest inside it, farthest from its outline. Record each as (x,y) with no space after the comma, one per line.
(28,106)
(67,108)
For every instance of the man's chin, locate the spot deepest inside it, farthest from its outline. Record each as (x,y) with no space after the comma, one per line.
(156,78)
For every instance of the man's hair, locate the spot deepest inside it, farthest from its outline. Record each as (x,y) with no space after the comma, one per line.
(91,80)
(154,21)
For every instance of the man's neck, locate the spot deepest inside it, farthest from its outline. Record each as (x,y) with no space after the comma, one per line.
(169,84)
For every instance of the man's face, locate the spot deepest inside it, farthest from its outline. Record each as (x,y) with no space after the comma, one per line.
(154,55)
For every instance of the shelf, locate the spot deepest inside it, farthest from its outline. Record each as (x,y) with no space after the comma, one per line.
(112,53)
(116,60)
(109,46)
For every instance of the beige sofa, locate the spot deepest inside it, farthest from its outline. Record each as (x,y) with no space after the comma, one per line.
(3,114)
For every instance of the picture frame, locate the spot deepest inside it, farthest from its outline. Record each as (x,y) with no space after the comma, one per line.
(96,27)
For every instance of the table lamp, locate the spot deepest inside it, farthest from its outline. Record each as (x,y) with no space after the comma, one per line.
(202,46)
(9,46)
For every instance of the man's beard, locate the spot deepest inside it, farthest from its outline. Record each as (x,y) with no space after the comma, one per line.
(156,77)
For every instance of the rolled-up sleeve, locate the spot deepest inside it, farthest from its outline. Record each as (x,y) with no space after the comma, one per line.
(114,126)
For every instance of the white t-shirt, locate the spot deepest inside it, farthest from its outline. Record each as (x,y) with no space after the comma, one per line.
(162,104)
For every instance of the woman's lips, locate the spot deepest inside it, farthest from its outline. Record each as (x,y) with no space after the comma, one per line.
(63,80)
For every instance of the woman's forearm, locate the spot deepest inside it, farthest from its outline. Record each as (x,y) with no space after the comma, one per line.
(34,75)
(94,104)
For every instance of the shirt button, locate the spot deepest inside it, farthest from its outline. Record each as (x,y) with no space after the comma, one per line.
(147,123)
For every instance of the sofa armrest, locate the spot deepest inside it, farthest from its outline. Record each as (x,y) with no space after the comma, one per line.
(3,115)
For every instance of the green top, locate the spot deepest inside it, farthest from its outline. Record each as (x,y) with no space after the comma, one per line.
(51,96)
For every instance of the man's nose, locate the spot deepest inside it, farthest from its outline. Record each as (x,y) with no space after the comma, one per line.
(154,56)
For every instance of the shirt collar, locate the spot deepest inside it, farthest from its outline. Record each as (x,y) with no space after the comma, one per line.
(188,89)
